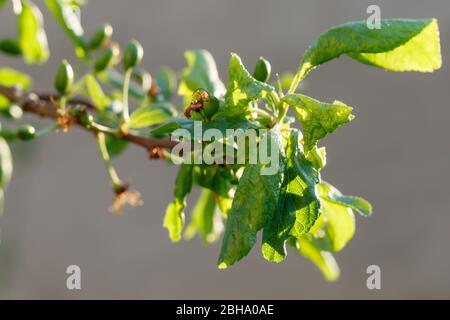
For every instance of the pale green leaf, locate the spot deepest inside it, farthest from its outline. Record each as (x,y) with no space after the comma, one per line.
(318,118)
(32,38)
(10,77)
(150,115)
(242,88)
(205,220)
(399,45)
(65,13)
(96,93)
(358,204)
(174,216)
(323,260)
(200,73)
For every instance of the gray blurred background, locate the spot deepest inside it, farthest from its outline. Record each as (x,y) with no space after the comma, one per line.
(396,154)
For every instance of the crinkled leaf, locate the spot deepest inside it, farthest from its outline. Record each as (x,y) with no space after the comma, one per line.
(65,13)
(10,77)
(360,205)
(298,204)
(200,73)
(256,198)
(174,216)
(96,93)
(204,219)
(318,118)
(32,38)
(242,88)
(150,115)
(400,45)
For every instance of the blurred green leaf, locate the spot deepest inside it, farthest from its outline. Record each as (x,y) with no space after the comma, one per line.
(115,146)
(65,13)
(10,77)
(32,38)
(6,165)
(166,81)
(96,93)
(204,219)
(10,46)
(323,260)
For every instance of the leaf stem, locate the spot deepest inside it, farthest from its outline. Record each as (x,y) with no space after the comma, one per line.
(47,130)
(126,86)
(115,180)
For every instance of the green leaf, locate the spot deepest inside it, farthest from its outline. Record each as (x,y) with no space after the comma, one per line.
(298,204)
(65,13)
(242,88)
(204,219)
(256,198)
(400,45)
(318,118)
(201,73)
(323,260)
(166,81)
(10,77)
(6,165)
(115,146)
(360,205)
(150,115)
(174,216)
(96,93)
(32,38)
(10,46)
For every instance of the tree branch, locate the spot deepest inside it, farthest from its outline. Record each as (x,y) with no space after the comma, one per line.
(42,105)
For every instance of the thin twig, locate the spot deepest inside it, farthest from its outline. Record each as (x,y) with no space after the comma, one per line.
(42,105)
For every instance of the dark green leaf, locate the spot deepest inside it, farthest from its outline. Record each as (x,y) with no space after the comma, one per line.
(298,205)
(10,46)
(256,198)
(115,146)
